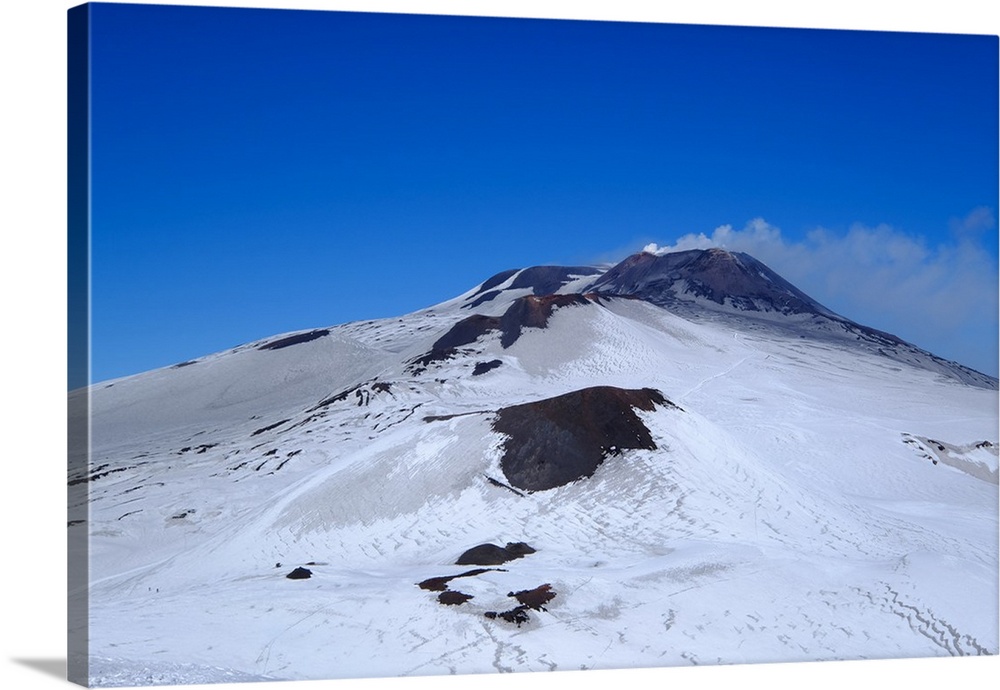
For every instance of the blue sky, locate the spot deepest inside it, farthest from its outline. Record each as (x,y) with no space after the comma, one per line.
(261,171)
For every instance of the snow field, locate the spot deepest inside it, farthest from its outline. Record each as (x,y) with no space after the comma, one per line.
(781,517)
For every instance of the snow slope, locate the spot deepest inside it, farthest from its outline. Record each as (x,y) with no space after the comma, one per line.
(806,500)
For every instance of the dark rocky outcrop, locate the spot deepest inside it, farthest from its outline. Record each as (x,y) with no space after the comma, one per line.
(466,331)
(495,280)
(518,615)
(482,367)
(714,274)
(362,392)
(99,472)
(559,440)
(533,599)
(526,312)
(418,365)
(541,280)
(545,280)
(485,297)
(440,584)
(295,339)
(269,427)
(453,598)
(735,286)
(491,554)
(532,312)
(339,397)
(299,574)
(498,483)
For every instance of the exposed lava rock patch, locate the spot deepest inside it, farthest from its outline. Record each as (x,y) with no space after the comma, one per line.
(419,365)
(363,393)
(544,280)
(714,274)
(559,440)
(525,312)
(978,460)
(269,427)
(466,331)
(485,297)
(494,281)
(517,615)
(500,484)
(491,554)
(533,312)
(482,367)
(295,339)
(97,473)
(199,450)
(541,280)
(299,574)
(445,417)
(339,397)
(453,598)
(534,599)
(440,584)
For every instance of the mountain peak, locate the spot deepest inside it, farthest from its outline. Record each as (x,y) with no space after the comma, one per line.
(717,252)
(716,276)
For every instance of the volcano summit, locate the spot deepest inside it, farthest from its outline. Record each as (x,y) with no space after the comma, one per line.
(709,466)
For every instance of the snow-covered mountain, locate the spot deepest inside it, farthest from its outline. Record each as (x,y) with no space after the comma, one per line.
(680,459)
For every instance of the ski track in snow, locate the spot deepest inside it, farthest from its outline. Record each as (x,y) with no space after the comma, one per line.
(781,517)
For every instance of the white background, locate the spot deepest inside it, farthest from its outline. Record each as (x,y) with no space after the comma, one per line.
(33,316)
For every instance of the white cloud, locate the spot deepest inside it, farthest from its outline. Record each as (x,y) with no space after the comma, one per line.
(978,221)
(942,298)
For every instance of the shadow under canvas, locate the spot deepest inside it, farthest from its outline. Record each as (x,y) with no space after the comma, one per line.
(51,667)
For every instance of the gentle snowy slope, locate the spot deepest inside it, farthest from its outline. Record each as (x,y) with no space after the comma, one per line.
(804,500)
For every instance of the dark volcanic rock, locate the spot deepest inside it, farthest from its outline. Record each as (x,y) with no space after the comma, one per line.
(518,615)
(485,297)
(559,440)
(269,427)
(294,339)
(485,554)
(534,598)
(418,365)
(482,367)
(496,280)
(736,285)
(453,598)
(440,584)
(736,279)
(466,331)
(299,574)
(532,312)
(541,280)
(500,484)
(339,397)
(491,554)
(525,312)
(545,280)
